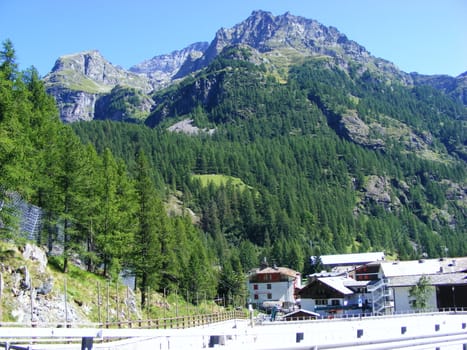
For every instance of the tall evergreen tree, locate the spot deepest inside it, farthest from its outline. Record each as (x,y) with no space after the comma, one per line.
(146,259)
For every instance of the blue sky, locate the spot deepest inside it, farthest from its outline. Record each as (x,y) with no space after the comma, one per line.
(427,36)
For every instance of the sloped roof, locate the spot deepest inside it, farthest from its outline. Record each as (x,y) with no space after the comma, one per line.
(337,283)
(350,282)
(423,267)
(301,313)
(350,259)
(282,270)
(459,278)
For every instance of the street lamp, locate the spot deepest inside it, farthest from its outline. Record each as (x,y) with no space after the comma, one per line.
(454,297)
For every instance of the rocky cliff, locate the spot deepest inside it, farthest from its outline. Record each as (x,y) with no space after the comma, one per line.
(287,37)
(78,81)
(161,69)
(33,291)
(455,87)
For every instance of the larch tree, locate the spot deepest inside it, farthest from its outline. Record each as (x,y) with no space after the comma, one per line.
(147,245)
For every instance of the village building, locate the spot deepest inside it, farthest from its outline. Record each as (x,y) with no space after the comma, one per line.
(270,287)
(383,287)
(335,296)
(339,260)
(448,277)
(300,315)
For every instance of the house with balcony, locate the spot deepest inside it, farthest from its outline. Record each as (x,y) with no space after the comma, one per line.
(273,286)
(332,296)
(446,276)
(383,287)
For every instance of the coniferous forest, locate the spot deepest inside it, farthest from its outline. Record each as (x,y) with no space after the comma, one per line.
(292,180)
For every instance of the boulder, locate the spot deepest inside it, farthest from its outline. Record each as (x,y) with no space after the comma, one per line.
(34,253)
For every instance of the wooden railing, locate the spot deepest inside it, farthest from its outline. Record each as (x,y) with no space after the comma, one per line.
(179,322)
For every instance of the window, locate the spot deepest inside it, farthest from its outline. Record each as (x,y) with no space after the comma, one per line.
(321,302)
(335,302)
(256,296)
(269,296)
(255,286)
(268,286)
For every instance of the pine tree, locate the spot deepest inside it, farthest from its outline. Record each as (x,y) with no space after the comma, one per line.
(147,259)
(69,195)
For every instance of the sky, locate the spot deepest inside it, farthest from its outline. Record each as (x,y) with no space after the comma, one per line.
(426,36)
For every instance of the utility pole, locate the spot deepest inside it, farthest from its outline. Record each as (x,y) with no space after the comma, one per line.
(66,304)
(118,302)
(1,291)
(99,302)
(31,299)
(108,306)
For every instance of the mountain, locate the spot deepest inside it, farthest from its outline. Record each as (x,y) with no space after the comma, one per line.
(161,69)
(456,87)
(362,107)
(83,84)
(78,81)
(288,38)
(269,148)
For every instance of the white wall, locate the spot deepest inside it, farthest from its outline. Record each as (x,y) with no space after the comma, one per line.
(402,300)
(283,291)
(308,304)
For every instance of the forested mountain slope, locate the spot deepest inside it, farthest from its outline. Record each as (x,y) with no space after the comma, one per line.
(333,161)
(297,149)
(94,212)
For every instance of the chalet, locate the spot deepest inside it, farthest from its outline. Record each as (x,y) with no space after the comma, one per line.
(273,286)
(335,296)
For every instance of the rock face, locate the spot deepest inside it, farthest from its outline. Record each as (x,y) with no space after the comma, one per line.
(356,130)
(455,87)
(78,81)
(291,35)
(161,69)
(34,253)
(32,294)
(90,71)
(74,105)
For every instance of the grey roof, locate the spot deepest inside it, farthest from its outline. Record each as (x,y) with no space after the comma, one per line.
(350,259)
(350,282)
(423,267)
(337,283)
(440,279)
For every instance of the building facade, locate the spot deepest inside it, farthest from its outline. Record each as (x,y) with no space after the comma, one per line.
(385,287)
(273,286)
(336,296)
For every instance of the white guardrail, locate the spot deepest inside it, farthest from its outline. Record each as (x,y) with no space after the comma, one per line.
(411,331)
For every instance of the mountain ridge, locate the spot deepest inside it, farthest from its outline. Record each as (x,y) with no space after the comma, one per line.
(78,81)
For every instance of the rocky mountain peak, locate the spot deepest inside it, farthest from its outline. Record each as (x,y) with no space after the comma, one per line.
(289,35)
(169,63)
(90,71)
(161,69)
(89,63)
(78,80)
